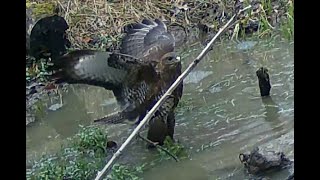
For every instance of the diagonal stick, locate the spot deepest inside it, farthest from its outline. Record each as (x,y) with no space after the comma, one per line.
(164,97)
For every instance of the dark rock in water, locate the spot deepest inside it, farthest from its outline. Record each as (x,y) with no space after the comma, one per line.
(111,144)
(48,37)
(264,81)
(259,161)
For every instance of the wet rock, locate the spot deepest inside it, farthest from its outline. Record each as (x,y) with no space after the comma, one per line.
(33,88)
(55,107)
(291,177)
(111,144)
(29,118)
(260,161)
(34,84)
(264,81)
(32,91)
(37,92)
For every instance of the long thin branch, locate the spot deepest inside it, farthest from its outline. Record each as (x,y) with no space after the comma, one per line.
(164,97)
(158,146)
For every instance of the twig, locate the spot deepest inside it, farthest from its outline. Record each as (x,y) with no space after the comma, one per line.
(60,95)
(61,6)
(265,17)
(158,146)
(95,7)
(67,10)
(163,98)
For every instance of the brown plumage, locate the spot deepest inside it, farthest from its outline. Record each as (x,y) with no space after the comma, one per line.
(138,75)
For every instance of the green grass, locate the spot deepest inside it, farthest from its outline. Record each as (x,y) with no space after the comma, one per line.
(284,25)
(85,155)
(122,172)
(82,159)
(174,148)
(287,27)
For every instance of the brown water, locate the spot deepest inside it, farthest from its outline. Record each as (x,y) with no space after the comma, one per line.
(225,114)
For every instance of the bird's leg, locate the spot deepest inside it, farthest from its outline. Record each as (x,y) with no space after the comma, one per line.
(171,122)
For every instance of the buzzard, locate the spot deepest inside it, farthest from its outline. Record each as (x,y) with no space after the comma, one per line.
(139,73)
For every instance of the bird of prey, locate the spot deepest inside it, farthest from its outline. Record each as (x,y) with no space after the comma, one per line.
(138,74)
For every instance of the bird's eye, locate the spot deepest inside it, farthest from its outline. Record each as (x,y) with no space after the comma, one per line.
(171,58)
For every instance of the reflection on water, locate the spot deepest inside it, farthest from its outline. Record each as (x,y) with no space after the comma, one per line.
(271,111)
(222,114)
(81,104)
(179,170)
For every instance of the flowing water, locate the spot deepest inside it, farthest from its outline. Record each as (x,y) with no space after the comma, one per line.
(221,113)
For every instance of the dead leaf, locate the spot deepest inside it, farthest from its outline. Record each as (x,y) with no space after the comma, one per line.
(86,39)
(50,86)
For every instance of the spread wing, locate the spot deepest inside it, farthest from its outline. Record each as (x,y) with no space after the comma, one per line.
(97,68)
(148,40)
(130,74)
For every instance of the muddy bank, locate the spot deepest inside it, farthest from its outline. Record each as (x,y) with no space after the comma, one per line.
(102,22)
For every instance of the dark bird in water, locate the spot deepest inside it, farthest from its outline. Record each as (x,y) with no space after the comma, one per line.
(138,74)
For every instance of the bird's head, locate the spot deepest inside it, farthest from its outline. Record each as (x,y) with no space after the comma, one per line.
(168,62)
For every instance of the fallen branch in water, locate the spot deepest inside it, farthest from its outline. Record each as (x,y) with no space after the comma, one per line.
(169,91)
(158,146)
